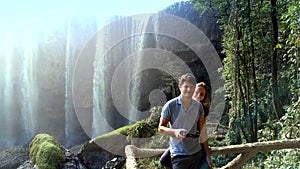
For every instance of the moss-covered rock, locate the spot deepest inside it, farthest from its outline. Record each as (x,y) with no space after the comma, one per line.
(148,127)
(45,152)
(99,150)
(35,144)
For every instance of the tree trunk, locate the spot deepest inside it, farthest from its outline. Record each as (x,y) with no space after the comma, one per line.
(275,97)
(253,116)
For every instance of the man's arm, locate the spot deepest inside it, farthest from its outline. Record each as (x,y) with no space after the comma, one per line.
(164,129)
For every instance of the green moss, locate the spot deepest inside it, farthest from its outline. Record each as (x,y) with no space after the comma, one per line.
(35,144)
(50,156)
(46,152)
(148,127)
(142,129)
(123,131)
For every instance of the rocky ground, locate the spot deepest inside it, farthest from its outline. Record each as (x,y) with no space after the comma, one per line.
(18,157)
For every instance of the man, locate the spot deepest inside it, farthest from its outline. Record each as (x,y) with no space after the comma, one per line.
(186,119)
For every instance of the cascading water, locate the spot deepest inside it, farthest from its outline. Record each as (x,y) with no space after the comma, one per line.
(32,62)
(18,99)
(37,76)
(69,111)
(105,116)
(76,37)
(110,113)
(99,97)
(28,87)
(6,96)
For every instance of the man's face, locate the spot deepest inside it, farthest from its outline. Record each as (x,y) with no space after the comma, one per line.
(187,89)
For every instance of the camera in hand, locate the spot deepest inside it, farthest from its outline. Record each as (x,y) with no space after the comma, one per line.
(183,133)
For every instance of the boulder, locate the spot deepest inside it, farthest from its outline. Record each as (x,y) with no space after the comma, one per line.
(13,157)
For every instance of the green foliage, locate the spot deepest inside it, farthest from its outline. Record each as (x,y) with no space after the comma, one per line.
(279,159)
(233,137)
(141,129)
(248,44)
(269,131)
(290,41)
(148,127)
(45,152)
(219,160)
(286,128)
(146,163)
(283,159)
(158,141)
(256,162)
(291,122)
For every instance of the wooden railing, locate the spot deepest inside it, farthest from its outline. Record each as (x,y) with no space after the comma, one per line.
(245,151)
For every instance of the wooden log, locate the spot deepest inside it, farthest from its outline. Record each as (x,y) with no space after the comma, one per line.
(245,151)
(257,146)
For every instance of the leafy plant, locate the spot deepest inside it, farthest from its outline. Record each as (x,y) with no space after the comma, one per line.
(291,122)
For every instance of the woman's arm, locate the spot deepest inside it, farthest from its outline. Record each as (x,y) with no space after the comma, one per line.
(204,139)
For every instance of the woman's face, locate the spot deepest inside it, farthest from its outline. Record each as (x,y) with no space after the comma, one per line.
(199,94)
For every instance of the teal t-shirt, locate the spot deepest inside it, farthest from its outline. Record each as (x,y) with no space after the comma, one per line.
(180,118)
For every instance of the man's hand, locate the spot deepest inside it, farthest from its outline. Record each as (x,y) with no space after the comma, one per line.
(180,133)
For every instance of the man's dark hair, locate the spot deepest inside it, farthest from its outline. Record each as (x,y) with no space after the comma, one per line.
(188,77)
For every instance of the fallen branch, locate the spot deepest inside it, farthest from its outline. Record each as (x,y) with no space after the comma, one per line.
(245,151)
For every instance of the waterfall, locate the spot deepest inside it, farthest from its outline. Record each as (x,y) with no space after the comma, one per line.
(99,98)
(6,100)
(18,85)
(76,37)
(28,87)
(69,111)
(76,80)
(110,112)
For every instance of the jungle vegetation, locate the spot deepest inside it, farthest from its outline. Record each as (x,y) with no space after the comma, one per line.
(260,42)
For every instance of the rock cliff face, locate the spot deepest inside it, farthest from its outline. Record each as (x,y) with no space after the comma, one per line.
(206,21)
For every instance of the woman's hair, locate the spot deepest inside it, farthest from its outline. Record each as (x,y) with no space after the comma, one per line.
(205,102)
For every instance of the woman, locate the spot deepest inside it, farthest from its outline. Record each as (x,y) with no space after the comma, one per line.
(201,95)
